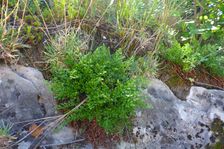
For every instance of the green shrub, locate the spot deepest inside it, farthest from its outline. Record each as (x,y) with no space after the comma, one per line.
(191,56)
(185,56)
(198,40)
(214,59)
(107,82)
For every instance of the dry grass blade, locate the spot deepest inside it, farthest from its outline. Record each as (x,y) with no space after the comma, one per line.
(54,125)
(64,143)
(48,128)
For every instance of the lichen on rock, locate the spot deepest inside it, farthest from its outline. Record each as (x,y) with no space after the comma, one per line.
(173,123)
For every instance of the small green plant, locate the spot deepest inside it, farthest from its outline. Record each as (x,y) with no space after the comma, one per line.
(185,56)
(70,9)
(211,56)
(5,129)
(108,83)
(31,30)
(214,59)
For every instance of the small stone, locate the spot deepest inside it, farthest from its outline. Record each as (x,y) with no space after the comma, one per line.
(24,145)
(64,135)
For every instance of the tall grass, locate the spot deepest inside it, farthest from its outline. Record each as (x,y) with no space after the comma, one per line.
(136,22)
(10,30)
(139,24)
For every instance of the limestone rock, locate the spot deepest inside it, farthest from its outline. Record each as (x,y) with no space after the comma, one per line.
(64,135)
(23,94)
(172,123)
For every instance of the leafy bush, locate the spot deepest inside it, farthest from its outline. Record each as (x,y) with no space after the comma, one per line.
(214,58)
(184,56)
(191,56)
(201,38)
(206,21)
(107,82)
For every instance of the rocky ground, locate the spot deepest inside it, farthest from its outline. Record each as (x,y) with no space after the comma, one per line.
(173,121)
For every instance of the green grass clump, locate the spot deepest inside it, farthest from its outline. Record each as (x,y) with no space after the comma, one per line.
(5,129)
(106,80)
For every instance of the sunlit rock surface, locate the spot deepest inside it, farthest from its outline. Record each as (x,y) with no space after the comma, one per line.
(172,123)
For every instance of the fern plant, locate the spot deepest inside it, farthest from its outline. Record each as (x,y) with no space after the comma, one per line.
(185,56)
(107,82)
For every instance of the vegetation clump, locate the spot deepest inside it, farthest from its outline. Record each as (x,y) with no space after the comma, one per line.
(187,33)
(5,129)
(198,41)
(107,81)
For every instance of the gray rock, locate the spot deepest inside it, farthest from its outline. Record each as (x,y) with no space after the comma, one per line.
(23,94)
(63,135)
(24,145)
(60,138)
(172,123)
